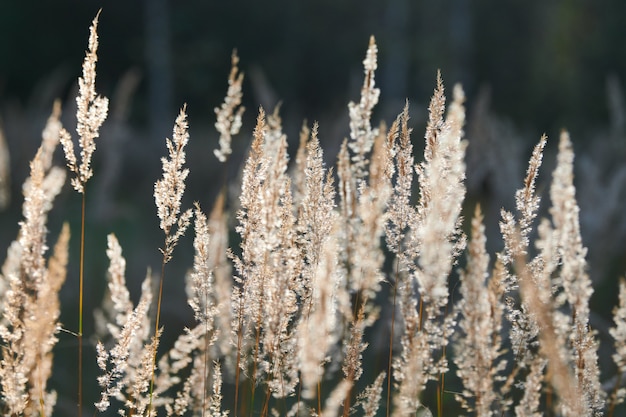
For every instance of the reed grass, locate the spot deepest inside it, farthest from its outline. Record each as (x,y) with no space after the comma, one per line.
(287,323)
(91,112)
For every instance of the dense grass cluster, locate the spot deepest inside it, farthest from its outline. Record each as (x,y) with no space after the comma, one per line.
(358,289)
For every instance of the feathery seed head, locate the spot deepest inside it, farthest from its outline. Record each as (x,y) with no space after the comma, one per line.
(361,131)
(229,113)
(90,114)
(169,190)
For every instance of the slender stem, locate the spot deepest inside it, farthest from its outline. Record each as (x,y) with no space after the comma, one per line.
(257,347)
(319,397)
(440,395)
(237,372)
(351,372)
(549,401)
(309,307)
(205,373)
(156,332)
(442,379)
(347,401)
(614,395)
(257,344)
(393,322)
(239,347)
(266,402)
(80,305)
(158,313)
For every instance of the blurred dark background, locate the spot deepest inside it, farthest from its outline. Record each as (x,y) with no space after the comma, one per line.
(528,67)
(546,62)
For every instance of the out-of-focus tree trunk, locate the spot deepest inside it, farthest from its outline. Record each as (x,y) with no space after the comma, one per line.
(158,63)
(461,47)
(396,67)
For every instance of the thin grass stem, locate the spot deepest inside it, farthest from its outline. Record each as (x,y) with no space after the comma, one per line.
(440,392)
(238,365)
(442,377)
(266,402)
(156,332)
(319,398)
(257,348)
(205,373)
(393,322)
(613,403)
(80,305)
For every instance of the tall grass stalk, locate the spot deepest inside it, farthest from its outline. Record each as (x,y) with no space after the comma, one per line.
(81,280)
(91,112)
(168,193)
(391,338)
